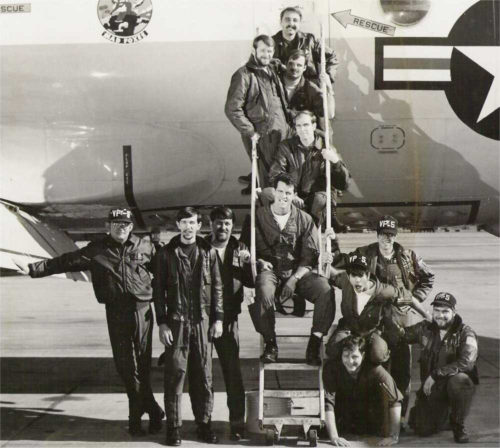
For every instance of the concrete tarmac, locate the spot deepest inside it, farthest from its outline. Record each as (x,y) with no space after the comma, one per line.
(59,386)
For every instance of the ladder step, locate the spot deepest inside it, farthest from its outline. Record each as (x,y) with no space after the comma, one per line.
(289,366)
(291,393)
(295,420)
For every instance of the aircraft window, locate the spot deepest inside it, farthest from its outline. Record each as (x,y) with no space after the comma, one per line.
(406,12)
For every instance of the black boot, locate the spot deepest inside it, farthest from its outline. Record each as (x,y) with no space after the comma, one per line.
(270,351)
(313,357)
(135,427)
(205,433)
(460,434)
(237,431)
(155,419)
(173,436)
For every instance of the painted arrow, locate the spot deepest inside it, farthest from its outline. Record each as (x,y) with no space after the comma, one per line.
(346,18)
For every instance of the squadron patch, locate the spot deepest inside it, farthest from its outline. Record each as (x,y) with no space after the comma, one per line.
(124,21)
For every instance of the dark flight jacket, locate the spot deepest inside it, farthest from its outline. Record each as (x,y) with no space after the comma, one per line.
(456,353)
(417,276)
(234,277)
(307,167)
(312,47)
(118,270)
(170,299)
(248,104)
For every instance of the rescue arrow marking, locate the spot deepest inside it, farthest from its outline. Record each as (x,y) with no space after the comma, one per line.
(346,18)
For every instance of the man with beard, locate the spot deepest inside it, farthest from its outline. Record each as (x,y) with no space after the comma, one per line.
(447,369)
(402,268)
(287,250)
(302,94)
(235,270)
(187,292)
(290,38)
(120,265)
(255,107)
(303,158)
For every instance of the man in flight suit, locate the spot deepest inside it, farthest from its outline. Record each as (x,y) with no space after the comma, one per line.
(287,251)
(120,265)
(187,292)
(234,259)
(402,268)
(255,107)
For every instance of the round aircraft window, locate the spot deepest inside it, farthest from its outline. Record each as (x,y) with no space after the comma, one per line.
(406,12)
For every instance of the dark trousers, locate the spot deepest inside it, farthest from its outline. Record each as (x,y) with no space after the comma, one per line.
(266,149)
(448,394)
(228,350)
(400,363)
(191,354)
(399,367)
(311,287)
(130,333)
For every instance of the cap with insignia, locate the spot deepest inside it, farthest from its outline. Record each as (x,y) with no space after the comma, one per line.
(120,214)
(357,262)
(387,224)
(444,299)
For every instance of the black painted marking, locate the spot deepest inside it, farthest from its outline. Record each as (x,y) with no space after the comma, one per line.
(128,184)
(474,205)
(382,42)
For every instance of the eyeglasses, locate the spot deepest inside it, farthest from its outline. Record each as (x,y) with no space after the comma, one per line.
(120,224)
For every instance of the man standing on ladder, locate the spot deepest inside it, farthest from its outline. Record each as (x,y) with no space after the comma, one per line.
(255,107)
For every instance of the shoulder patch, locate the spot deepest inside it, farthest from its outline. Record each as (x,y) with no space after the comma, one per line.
(471,340)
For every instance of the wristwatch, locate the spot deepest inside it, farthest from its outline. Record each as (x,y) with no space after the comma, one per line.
(296,277)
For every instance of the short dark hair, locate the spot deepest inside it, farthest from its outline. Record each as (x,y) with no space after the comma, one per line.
(290,9)
(268,40)
(286,179)
(155,230)
(296,54)
(305,112)
(188,212)
(221,213)
(352,343)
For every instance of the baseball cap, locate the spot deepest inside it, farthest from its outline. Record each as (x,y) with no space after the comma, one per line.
(387,224)
(120,214)
(357,262)
(444,299)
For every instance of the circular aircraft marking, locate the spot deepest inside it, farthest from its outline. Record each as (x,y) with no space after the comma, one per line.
(474,90)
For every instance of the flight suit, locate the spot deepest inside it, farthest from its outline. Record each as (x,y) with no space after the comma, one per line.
(188,299)
(121,280)
(296,245)
(234,277)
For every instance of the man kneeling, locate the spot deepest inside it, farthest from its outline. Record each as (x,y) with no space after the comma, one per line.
(447,369)
(361,398)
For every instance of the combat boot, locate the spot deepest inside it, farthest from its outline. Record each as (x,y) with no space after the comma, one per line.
(460,434)
(135,427)
(173,436)
(155,418)
(205,433)
(270,354)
